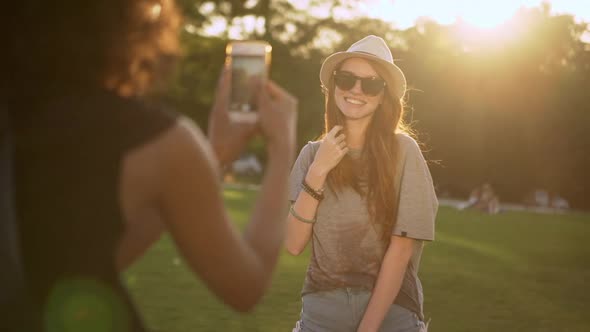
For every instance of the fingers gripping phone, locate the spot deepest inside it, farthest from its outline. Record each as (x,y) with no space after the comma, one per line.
(249,62)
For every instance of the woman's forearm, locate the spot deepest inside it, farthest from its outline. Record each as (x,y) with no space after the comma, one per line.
(298,232)
(388,283)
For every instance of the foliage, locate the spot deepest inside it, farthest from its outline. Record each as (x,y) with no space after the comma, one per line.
(508,106)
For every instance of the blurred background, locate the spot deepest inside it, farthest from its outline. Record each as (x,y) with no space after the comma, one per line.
(499,90)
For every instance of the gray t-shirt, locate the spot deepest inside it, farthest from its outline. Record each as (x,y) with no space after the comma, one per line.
(346,246)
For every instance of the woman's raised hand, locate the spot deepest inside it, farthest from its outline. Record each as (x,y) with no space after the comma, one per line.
(277,111)
(277,119)
(332,149)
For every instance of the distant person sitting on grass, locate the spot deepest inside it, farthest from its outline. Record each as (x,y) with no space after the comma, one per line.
(100,174)
(484,199)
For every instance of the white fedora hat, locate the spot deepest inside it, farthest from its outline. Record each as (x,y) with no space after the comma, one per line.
(371,48)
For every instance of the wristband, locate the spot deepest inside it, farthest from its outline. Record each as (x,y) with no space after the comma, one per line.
(317,195)
(300,218)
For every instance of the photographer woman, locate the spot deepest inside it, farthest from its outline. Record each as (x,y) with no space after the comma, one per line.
(100,174)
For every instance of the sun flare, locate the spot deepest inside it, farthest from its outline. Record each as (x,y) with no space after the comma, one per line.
(480,14)
(486,14)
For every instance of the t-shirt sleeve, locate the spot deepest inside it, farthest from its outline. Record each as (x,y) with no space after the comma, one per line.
(417,200)
(299,171)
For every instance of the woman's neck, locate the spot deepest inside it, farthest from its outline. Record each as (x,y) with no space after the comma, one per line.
(355,134)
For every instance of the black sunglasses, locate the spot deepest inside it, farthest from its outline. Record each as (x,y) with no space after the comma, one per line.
(371,86)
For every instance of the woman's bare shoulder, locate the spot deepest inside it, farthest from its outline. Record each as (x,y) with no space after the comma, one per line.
(181,145)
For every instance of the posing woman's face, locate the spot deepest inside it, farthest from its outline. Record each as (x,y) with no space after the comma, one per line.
(354,103)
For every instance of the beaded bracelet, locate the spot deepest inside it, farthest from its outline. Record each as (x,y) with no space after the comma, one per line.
(300,218)
(317,195)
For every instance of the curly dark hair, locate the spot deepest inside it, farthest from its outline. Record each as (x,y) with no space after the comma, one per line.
(52,47)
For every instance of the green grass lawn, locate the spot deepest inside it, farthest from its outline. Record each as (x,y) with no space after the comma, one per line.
(508,272)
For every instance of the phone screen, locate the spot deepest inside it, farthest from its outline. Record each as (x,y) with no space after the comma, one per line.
(249,62)
(245,71)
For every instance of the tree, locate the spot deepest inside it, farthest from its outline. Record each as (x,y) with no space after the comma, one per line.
(512,111)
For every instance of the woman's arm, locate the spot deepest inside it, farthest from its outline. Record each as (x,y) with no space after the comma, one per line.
(299,233)
(388,283)
(237,268)
(332,149)
(174,181)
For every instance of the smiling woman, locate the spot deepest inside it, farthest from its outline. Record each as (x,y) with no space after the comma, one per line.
(358,101)
(368,226)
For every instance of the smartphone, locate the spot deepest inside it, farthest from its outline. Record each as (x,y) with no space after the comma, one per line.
(249,62)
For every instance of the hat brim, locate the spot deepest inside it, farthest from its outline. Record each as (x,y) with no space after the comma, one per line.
(396,81)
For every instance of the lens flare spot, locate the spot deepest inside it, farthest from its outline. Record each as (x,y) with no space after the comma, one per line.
(84,305)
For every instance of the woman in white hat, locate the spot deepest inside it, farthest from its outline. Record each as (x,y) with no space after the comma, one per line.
(368,226)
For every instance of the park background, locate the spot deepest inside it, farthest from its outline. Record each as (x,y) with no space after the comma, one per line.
(499,94)
(507,104)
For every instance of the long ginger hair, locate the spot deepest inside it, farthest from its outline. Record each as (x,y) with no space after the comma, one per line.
(378,160)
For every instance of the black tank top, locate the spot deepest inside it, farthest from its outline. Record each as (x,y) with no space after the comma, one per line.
(68,166)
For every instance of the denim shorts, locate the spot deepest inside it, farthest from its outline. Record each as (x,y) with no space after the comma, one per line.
(342,309)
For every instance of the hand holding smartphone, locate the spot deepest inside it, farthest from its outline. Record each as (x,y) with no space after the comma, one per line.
(248,102)
(249,63)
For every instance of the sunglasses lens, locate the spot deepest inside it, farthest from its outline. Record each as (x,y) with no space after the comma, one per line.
(372,87)
(344,81)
